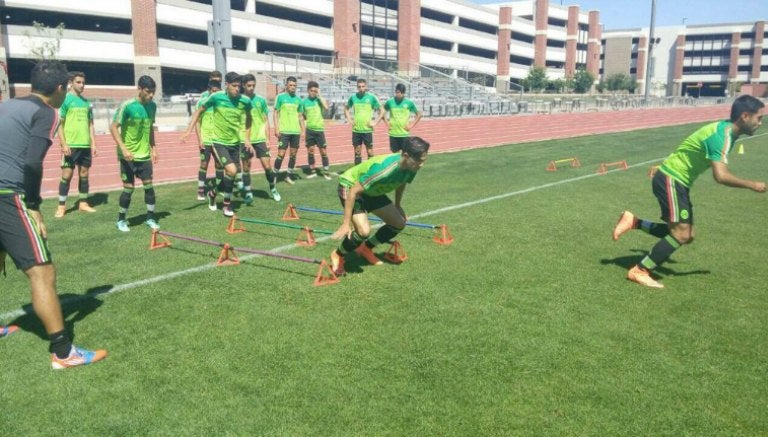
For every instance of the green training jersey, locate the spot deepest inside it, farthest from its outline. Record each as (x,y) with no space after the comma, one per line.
(259,120)
(289,107)
(712,142)
(313,111)
(206,120)
(363,107)
(227,113)
(399,116)
(136,123)
(378,175)
(77,114)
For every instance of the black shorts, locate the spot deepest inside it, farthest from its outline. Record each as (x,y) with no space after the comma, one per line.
(205,153)
(288,140)
(227,154)
(396,144)
(19,235)
(674,199)
(79,157)
(130,170)
(363,203)
(315,138)
(359,138)
(261,151)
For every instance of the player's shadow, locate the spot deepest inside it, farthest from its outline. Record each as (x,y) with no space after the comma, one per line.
(139,219)
(97,199)
(75,307)
(627,262)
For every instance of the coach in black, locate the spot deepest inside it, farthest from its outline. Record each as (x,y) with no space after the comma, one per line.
(27,128)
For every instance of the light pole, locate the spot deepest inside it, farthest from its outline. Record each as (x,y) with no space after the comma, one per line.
(684,18)
(649,63)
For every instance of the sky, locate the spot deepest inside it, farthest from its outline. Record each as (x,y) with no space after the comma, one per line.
(613,13)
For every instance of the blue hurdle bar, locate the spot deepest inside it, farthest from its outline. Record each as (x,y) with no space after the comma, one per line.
(329,211)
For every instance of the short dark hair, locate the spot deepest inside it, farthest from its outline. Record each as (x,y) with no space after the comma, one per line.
(233,77)
(74,74)
(361,80)
(745,103)
(400,87)
(214,74)
(213,83)
(415,147)
(312,84)
(290,79)
(247,78)
(146,82)
(47,75)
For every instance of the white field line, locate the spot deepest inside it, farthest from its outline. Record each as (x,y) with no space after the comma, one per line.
(160,278)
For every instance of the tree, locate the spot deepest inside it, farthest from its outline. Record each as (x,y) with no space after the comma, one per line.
(537,79)
(582,81)
(44,42)
(618,82)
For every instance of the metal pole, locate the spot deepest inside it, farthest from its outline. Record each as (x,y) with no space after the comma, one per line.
(649,63)
(222,32)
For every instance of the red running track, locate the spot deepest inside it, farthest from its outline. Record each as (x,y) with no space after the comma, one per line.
(179,162)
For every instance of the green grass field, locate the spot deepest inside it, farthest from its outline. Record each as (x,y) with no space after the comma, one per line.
(525,325)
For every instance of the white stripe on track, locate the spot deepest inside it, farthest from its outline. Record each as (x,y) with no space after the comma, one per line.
(160,278)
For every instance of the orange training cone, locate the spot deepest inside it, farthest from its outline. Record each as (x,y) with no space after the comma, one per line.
(322,279)
(396,254)
(155,244)
(227,257)
(233,227)
(290,213)
(306,238)
(443,236)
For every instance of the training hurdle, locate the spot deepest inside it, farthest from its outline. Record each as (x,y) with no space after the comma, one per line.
(652,171)
(306,236)
(228,254)
(605,166)
(573,163)
(442,234)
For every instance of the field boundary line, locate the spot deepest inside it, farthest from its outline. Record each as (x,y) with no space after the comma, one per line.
(168,276)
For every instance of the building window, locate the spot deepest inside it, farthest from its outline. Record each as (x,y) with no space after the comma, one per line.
(474,51)
(746,52)
(522,37)
(437,16)
(25,17)
(478,26)
(436,43)
(271,46)
(555,43)
(293,15)
(520,60)
(557,22)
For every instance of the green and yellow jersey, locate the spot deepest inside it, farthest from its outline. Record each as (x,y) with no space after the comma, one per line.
(77,114)
(227,115)
(259,120)
(136,122)
(313,112)
(399,116)
(363,106)
(206,120)
(378,175)
(289,107)
(712,142)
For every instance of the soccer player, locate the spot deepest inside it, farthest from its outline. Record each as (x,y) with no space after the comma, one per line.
(78,143)
(259,140)
(205,134)
(363,188)
(707,147)
(228,108)
(132,129)
(363,103)
(400,110)
(288,126)
(27,126)
(314,105)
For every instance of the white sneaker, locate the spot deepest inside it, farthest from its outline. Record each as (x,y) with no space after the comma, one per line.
(275,194)
(122,226)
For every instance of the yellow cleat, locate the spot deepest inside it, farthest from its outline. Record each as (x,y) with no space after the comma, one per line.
(643,277)
(627,221)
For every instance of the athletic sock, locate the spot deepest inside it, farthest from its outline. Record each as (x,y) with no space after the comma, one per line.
(61,345)
(83,187)
(660,252)
(384,235)
(659,230)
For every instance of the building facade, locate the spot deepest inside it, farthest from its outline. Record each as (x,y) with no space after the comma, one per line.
(493,45)
(119,40)
(706,60)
